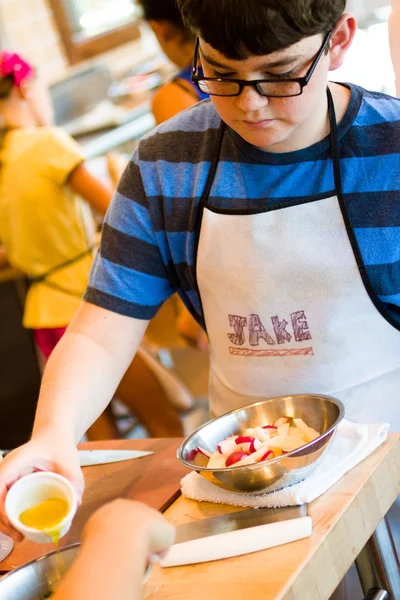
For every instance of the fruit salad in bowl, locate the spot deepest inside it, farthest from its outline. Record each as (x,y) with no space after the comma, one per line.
(266,445)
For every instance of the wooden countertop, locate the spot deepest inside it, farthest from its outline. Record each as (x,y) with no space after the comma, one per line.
(343,520)
(153,479)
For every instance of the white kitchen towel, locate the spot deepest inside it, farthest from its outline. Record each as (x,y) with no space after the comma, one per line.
(351,444)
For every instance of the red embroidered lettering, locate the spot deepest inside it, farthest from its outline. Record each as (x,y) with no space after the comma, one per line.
(257,331)
(282,335)
(238,324)
(300,326)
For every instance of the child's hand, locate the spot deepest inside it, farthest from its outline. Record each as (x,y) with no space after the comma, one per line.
(140,529)
(42,453)
(119,541)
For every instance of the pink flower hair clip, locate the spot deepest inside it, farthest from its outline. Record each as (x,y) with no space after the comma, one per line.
(12,64)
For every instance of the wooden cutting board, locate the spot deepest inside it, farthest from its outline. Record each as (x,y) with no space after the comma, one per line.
(344,518)
(153,479)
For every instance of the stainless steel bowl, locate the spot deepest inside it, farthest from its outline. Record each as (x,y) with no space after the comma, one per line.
(323,413)
(35,580)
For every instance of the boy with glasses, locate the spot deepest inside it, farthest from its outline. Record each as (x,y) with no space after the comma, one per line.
(272,209)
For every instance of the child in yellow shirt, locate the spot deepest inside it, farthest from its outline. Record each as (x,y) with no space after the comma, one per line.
(46,227)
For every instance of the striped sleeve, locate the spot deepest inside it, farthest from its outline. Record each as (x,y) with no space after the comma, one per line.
(129,276)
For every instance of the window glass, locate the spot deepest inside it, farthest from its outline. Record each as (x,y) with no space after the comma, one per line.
(89,18)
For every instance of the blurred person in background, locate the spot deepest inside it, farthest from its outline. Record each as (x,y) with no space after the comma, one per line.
(46,195)
(177,43)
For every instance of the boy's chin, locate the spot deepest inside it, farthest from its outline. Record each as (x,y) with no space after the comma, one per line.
(270,141)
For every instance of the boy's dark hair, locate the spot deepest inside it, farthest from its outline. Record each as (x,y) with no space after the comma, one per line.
(6,85)
(239,28)
(162,10)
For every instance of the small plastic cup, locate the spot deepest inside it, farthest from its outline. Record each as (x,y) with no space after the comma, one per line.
(31,490)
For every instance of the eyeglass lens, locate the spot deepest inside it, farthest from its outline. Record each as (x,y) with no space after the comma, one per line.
(232,88)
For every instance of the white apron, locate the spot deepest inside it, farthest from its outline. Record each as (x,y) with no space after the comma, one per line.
(288,308)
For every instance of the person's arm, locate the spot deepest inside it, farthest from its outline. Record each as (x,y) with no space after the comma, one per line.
(394,41)
(118,541)
(90,189)
(169,100)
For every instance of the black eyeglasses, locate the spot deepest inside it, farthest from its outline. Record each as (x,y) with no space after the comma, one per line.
(273,88)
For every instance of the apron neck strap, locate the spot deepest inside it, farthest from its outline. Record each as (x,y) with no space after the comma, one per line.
(213,167)
(334,143)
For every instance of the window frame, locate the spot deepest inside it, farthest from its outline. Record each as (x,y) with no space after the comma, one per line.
(86,48)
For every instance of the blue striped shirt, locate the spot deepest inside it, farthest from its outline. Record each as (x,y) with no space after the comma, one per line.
(148,241)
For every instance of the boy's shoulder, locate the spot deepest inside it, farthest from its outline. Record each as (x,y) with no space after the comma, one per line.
(184,136)
(376,107)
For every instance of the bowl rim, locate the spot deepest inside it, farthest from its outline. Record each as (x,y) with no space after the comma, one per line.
(39,559)
(331,399)
(72,546)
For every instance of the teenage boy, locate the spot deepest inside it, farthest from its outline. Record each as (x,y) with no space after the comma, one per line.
(272,209)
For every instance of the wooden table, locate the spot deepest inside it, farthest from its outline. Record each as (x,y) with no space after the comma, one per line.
(344,518)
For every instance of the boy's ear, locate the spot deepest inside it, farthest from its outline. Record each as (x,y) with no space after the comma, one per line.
(342,38)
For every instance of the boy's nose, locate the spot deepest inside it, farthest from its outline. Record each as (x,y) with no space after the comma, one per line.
(250,99)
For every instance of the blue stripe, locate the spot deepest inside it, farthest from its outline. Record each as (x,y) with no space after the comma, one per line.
(370,174)
(253,181)
(181,246)
(129,285)
(127,216)
(237,180)
(385,279)
(257,181)
(377,109)
(394,299)
(379,245)
(178,179)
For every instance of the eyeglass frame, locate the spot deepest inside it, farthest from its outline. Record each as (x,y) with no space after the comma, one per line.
(302,81)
